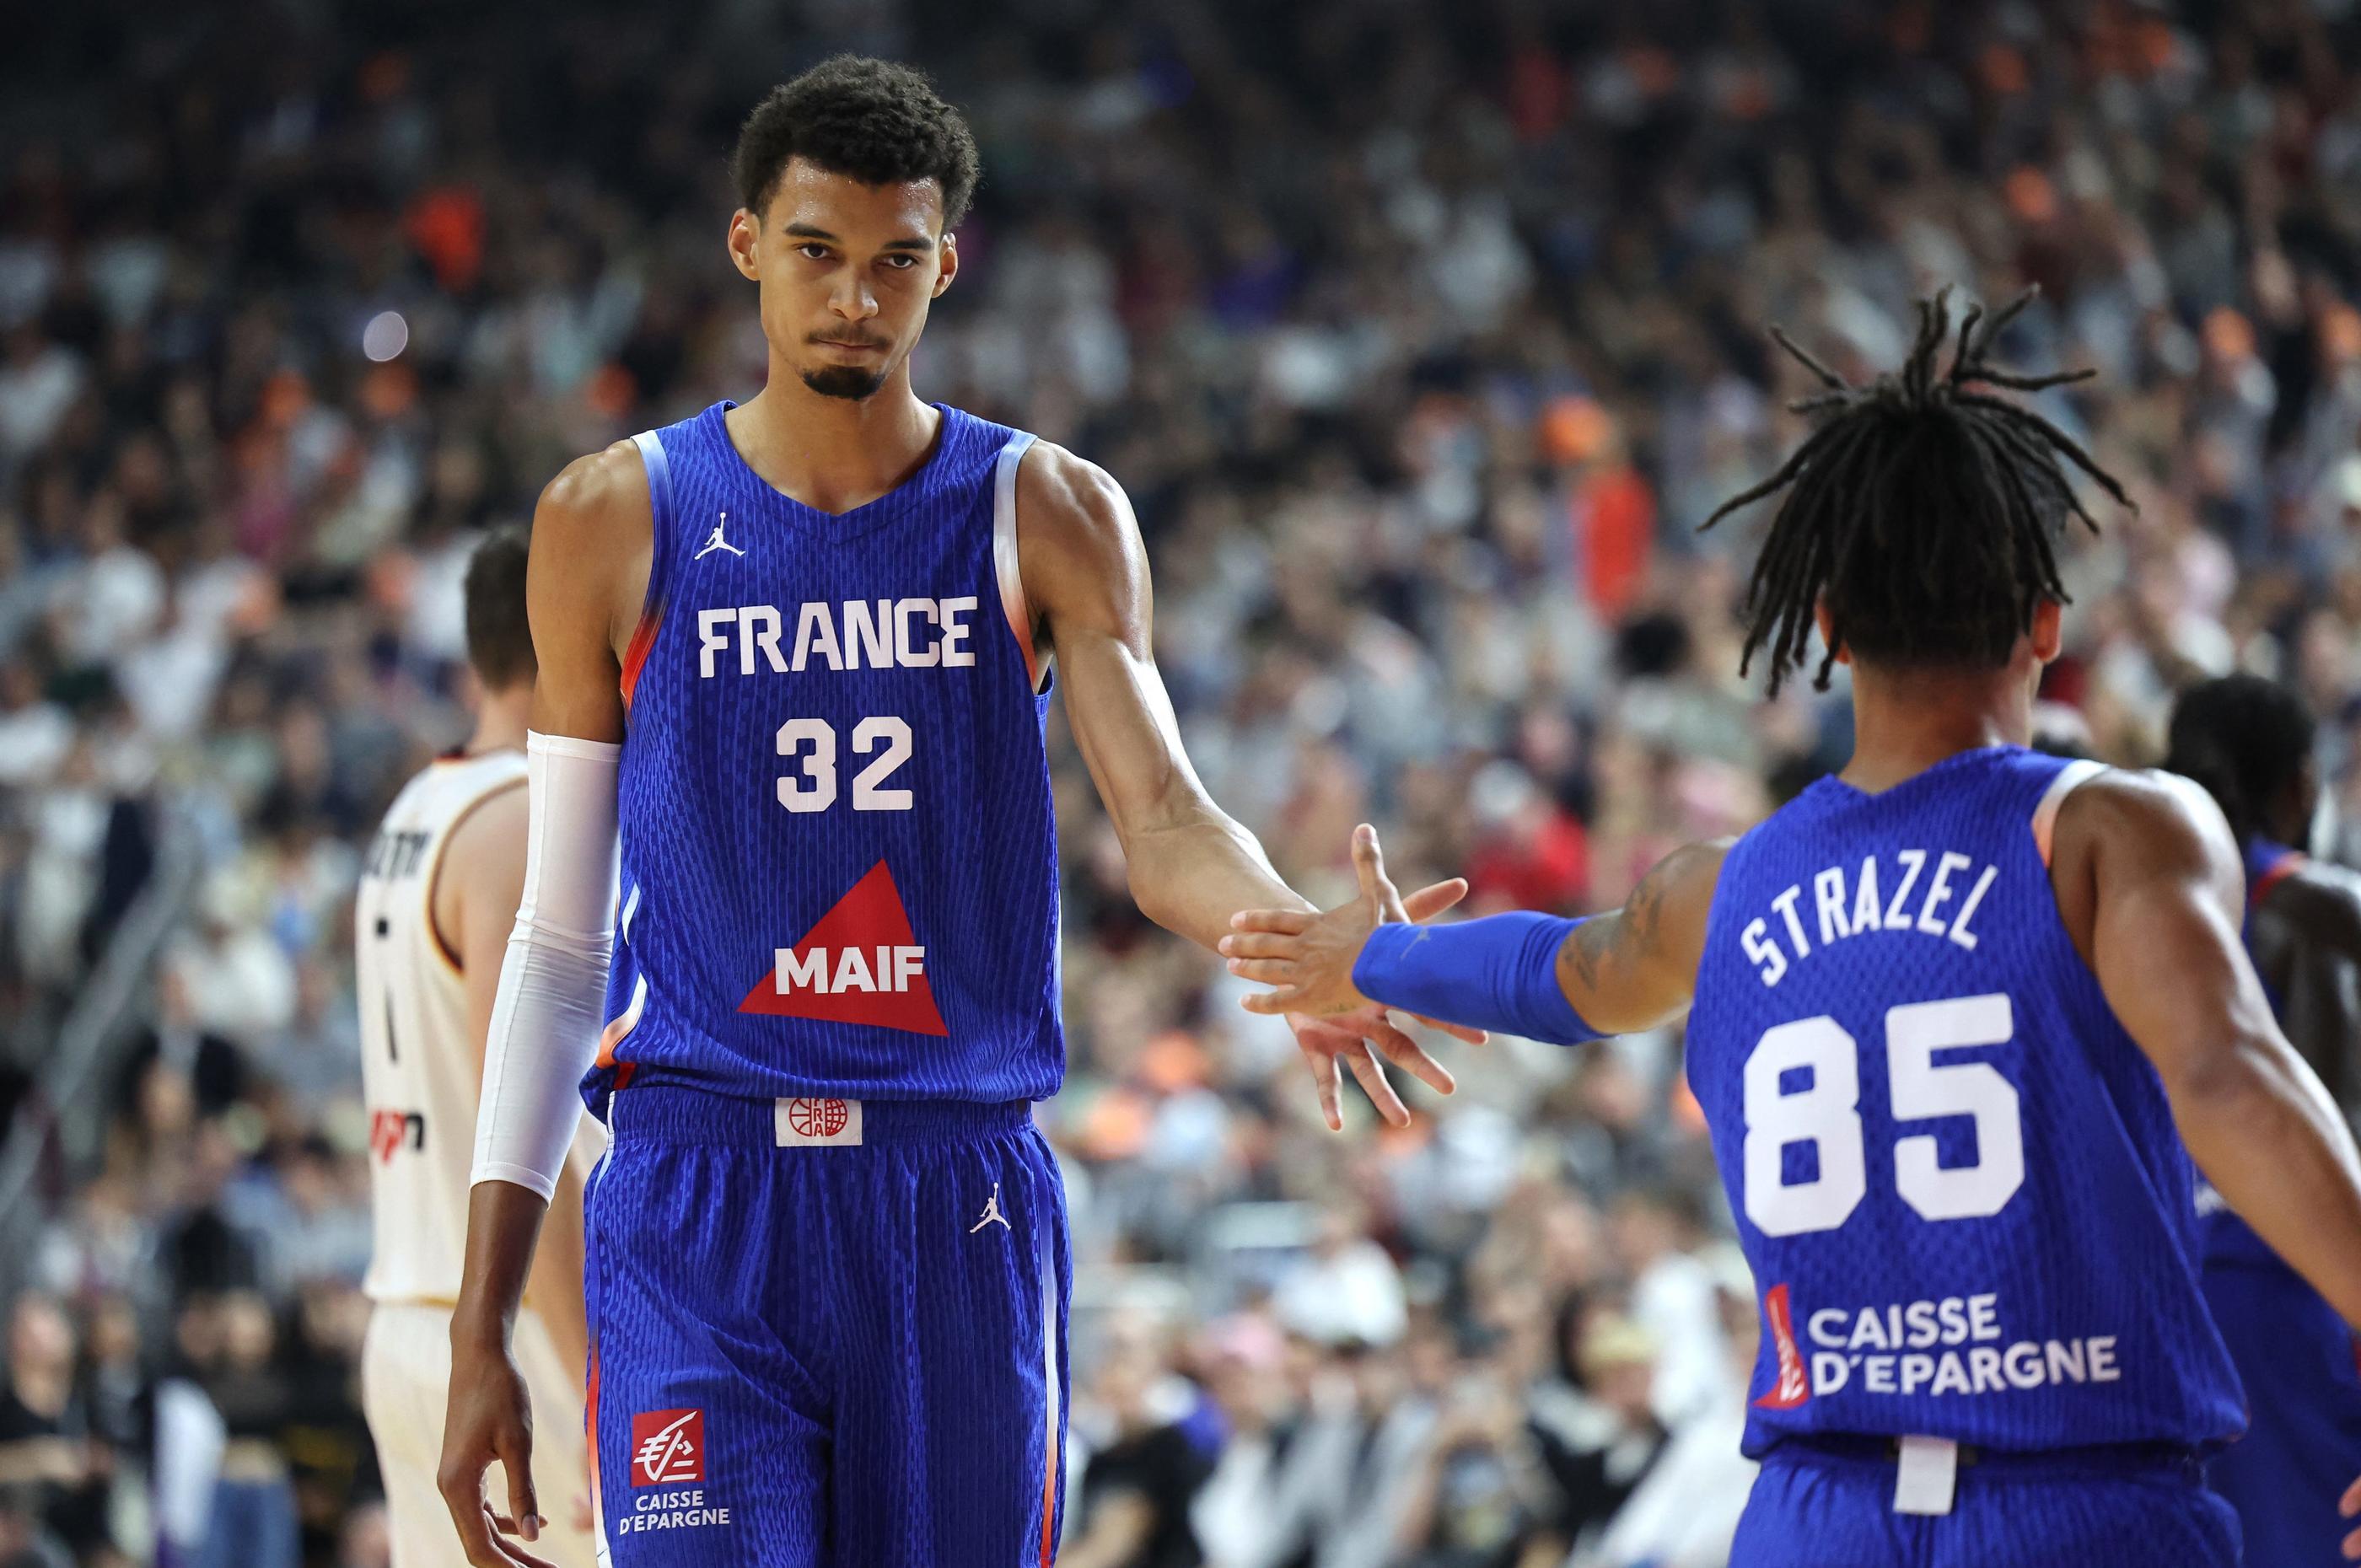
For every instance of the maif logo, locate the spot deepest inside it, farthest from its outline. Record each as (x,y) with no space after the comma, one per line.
(667,1447)
(858,964)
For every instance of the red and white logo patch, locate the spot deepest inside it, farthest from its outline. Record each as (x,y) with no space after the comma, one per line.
(667,1447)
(806,1123)
(858,964)
(1792,1388)
(817,1118)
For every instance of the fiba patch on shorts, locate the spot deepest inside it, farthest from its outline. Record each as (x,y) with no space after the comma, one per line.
(818,1124)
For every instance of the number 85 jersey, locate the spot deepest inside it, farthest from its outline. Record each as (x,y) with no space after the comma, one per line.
(1954,1174)
(839,869)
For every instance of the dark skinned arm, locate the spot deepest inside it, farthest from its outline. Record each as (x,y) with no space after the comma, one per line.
(1191,865)
(586,572)
(2306,936)
(2151,886)
(1628,970)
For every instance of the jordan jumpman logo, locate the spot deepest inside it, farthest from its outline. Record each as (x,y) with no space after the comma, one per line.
(716,542)
(991,1214)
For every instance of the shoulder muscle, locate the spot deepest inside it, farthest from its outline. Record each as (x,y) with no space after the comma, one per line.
(1079,547)
(592,533)
(2125,828)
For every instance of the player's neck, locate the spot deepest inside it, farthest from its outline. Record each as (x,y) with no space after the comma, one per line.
(1907,721)
(833,453)
(500,721)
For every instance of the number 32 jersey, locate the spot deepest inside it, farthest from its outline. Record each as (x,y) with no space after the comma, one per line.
(1954,1174)
(839,853)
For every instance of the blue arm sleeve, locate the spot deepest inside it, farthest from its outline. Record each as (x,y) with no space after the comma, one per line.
(1498,973)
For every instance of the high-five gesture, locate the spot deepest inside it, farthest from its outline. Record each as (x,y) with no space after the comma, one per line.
(1347,1035)
(1307,958)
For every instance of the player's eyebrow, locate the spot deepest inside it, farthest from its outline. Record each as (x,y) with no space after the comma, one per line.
(813,231)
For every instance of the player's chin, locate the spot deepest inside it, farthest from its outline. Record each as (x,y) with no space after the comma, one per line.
(853,382)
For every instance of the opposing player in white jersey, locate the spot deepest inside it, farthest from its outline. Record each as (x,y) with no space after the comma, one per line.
(437,897)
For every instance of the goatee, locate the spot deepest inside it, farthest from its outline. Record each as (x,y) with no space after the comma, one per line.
(848,381)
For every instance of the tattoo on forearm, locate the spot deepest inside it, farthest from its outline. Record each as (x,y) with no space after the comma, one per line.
(1625,935)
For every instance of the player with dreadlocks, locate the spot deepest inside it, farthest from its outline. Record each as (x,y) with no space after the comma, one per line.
(1952,1013)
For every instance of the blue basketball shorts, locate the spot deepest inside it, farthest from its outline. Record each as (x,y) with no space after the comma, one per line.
(826,1333)
(1815,1508)
(2302,1447)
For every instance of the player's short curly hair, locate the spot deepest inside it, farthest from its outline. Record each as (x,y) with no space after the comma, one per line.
(878,122)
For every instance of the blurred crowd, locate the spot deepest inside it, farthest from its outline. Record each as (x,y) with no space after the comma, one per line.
(1423,335)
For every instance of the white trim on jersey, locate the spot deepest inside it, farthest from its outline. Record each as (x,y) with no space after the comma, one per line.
(1005,561)
(2071,777)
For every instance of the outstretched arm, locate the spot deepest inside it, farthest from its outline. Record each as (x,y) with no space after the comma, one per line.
(1543,978)
(1191,865)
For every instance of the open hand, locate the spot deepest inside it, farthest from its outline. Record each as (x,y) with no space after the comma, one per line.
(1333,1022)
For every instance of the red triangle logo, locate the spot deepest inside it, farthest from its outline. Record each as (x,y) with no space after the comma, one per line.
(859,964)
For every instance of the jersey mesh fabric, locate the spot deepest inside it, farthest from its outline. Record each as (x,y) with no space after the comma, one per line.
(719,878)
(2070,1313)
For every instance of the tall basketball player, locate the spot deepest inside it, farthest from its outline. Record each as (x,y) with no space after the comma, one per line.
(437,897)
(1945,1011)
(799,650)
(2250,742)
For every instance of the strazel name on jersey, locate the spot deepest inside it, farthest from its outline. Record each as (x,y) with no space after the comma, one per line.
(839,854)
(1955,1176)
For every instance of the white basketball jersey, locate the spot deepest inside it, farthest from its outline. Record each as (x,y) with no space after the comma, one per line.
(421,1074)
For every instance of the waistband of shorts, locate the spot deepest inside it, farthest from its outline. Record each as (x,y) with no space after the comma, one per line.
(673,1113)
(2171,1461)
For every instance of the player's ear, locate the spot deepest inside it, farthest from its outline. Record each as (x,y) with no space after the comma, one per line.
(1827,623)
(946,264)
(745,241)
(2048,633)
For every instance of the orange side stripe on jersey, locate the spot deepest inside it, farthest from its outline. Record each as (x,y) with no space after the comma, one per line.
(635,653)
(619,1027)
(590,1430)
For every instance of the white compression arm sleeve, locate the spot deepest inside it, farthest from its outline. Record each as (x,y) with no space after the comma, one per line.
(545,1017)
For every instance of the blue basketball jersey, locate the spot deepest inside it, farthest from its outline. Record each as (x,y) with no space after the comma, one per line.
(1955,1176)
(839,853)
